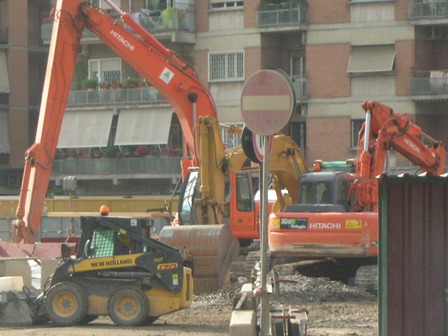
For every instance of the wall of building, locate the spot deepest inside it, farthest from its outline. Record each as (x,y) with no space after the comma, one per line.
(404,65)
(250,8)
(327,70)
(201,8)
(328,138)
(328,12)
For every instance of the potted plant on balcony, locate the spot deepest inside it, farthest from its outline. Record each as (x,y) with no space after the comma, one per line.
(115,85)
(90,84)
(131,82)
(104,85)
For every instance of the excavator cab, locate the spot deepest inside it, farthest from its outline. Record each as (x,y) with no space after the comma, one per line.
(324,188)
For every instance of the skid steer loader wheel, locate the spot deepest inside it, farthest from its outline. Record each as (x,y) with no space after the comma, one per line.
(128,307)
(66,304)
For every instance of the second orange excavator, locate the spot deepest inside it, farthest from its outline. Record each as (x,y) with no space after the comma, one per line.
(336,216)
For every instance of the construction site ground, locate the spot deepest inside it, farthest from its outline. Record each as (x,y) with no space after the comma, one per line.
(333,309)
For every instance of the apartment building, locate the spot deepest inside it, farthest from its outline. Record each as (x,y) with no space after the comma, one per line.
(120,141)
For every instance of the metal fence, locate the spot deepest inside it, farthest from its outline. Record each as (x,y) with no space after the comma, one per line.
(146,165)
(115,96)
(428,10)
(275,16)
(180,17)
(429,83)
(62,227)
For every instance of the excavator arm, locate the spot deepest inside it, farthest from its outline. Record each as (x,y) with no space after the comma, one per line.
(384,129)
(162,68)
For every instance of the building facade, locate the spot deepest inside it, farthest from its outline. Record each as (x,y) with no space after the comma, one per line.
(338,54)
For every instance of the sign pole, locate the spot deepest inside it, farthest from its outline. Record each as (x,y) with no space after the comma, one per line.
(265,308)
(267,105)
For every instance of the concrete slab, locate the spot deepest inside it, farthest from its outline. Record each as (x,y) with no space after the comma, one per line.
(243,323)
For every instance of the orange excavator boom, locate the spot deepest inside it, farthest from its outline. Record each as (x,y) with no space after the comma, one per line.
(166,71)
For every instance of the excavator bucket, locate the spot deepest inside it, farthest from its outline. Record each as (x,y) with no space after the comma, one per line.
(213,248)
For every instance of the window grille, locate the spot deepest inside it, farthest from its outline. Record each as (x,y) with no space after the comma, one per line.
(226,4)
(226,66)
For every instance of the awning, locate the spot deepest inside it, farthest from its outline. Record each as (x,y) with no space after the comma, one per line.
(4,79)
(85,129)
(379,58)
(143,127)
(4,134)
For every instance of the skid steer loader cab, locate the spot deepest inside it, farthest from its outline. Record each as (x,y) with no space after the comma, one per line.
(119,272)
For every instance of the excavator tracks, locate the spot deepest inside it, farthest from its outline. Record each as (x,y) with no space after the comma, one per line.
(367,278)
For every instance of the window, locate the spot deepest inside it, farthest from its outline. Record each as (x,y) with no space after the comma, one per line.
(226,66)
(371,59)
(103,4)
(356,127)
(244,198)
(226,4)
(105,70)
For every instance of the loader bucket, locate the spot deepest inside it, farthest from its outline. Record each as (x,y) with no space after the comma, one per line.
(213,248)
(16,309)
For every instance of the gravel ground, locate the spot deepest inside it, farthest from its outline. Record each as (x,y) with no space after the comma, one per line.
(334,309)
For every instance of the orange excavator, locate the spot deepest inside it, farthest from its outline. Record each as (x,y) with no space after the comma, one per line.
(207,201)
(336,217)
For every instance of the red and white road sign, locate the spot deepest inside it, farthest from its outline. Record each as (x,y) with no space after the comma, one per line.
(259,145)
(267,102)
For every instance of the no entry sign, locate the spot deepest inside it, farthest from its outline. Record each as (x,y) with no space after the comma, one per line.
(267,102)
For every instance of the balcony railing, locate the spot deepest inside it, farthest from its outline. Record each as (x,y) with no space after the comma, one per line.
(116,96)
(429,83)
(428,10)
(279,15)
(299,85)
(179,17)
(162,165)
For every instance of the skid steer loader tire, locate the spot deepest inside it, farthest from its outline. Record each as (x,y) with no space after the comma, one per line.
(128,307)
(66,304)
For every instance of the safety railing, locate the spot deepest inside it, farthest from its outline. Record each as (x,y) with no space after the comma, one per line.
(280,14)
(429,83)
(428,10)
(179,17)
(162,165)
(115,96)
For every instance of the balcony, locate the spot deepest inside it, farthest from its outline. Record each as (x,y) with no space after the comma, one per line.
(273,15)
(428,10)
(178,18)
(101,168)
(115,96)
(433,84)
